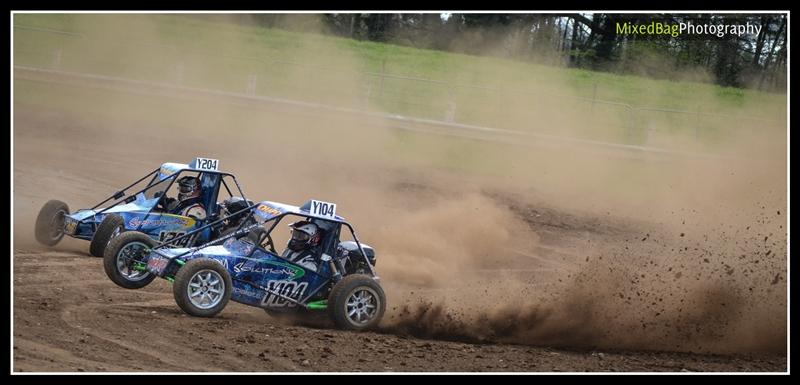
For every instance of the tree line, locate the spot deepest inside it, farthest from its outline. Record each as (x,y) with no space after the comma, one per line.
(581,40)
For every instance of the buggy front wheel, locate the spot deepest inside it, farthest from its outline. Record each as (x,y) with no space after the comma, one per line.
(50,222)
(202,287)
(357,302)
(125,260)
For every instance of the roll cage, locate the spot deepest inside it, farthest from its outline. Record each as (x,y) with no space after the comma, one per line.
(250,223)
(214,178)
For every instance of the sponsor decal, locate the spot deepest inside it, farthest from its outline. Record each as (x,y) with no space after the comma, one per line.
(291,289)
(277,268)
(157,264)
(167,236)
(247,293)
(70,226)
(223,262)
(156,222)
(268,211)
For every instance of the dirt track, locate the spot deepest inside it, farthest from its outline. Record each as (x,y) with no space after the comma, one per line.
(69,317)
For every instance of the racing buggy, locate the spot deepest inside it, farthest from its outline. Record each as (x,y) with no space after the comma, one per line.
(148,210)
(245,266)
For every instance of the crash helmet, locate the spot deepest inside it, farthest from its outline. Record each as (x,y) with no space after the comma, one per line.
(304,235)
(188,188)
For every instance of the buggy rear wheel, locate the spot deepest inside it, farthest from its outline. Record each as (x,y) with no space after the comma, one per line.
(110,227)
(50,222)
(125,260)
(357,302)
(202,287)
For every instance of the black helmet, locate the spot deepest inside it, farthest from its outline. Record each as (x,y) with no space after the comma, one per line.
(235,204)
(188,187)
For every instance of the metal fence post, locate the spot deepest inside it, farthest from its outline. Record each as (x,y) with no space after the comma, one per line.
(367,95)
(252,80)
(697,125)
(179,73)
(383,71)
(500,97)
(450,114)
(650,134)
(57,58)
(631,123)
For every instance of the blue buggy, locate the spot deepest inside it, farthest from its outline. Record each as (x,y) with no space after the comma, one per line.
(245,266)
(146,210)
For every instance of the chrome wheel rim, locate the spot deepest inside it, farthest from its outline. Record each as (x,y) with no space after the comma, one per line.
(130,254)
(206,289)
(57,224)
(362,305)
(115,233)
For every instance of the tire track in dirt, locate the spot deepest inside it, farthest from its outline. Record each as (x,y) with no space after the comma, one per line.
(164,349)
(72,316)
(47,354)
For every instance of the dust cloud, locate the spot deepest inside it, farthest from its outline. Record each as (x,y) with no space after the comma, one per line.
(537,241)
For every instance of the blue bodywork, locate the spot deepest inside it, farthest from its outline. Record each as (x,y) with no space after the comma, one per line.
(255,271)
(136,215)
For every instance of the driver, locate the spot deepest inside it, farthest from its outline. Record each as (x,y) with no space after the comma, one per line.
(302,248)
(189,202)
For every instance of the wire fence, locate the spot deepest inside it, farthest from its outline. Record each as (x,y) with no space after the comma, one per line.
(541,111)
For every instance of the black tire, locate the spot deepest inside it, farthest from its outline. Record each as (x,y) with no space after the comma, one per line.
(105,231)
(128,242)
(356,284)
(182,293)
(50,222)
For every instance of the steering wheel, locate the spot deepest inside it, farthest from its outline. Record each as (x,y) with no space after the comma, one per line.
(162,206)
(257,236)
(164,203)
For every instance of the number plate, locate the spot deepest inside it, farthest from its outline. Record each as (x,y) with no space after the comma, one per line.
(206,164)
(157,264)
(323,209)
